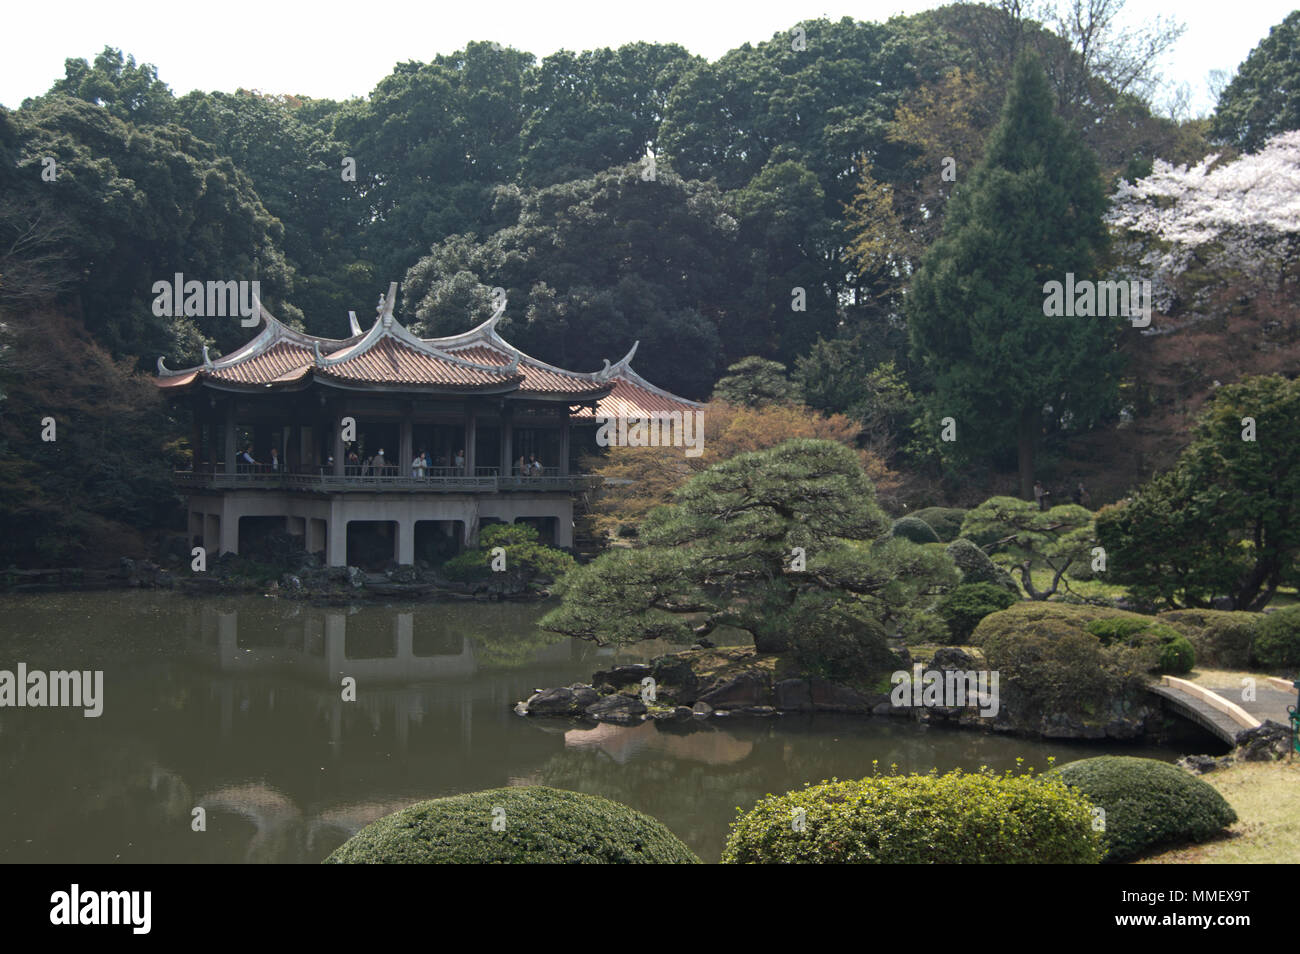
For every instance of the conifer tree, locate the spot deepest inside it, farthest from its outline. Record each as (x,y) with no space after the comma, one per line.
(1030,212)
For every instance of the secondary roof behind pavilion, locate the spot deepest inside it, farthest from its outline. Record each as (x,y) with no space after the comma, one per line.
(389,357)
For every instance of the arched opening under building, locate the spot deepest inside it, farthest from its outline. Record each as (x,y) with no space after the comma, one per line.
(371,543)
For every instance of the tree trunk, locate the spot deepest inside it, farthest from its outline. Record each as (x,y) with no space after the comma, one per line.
(1026,438)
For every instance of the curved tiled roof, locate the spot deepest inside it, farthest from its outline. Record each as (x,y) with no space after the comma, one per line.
(389,356)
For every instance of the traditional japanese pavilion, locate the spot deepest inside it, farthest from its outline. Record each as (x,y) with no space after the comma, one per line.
(473,402)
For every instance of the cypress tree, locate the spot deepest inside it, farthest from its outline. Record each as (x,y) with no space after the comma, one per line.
(1030,212)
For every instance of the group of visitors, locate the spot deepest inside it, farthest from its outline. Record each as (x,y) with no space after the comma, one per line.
(530,467)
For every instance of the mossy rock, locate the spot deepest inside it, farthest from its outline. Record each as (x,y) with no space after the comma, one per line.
(957,818)
(1147,803)
(918,531)
(541,826)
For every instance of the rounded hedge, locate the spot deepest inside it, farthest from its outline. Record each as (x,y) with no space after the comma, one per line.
(944,521)
(970,818)
(918,531)
(541,826)
(1277,638)
(967,604)
(1174,653)
(977,567)
(1147,803)
(1219,637)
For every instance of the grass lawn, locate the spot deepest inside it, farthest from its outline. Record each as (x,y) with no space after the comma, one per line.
(1266,796)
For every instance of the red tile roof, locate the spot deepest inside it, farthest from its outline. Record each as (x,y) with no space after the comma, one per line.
(389,361)
(388,355)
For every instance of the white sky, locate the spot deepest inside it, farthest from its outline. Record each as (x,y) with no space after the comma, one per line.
(341,49)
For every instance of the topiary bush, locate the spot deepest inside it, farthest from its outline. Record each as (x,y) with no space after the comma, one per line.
(957,818)
(1174,653)
(963,608)
(542,826)
(977,567)
(944,521)
(1058,678)
(1147,803)
(523,551)
(918,531)
(1220,638)
(1277,639)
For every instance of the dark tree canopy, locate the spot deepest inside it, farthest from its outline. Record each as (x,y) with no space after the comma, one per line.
(1263,99)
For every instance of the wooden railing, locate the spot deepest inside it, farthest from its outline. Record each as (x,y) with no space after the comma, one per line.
(364,478)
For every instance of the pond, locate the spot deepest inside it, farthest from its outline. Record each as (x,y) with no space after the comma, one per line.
(235,705)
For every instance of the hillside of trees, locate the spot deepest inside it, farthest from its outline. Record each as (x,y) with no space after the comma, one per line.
(789,202)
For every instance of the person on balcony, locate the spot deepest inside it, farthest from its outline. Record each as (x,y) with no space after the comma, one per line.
(275,461)
(377,463)
(521,466)
(535,466)
(246,458)
(460,459)
(418,465)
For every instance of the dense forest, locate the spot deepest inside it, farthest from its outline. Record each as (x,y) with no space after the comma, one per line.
(788,202)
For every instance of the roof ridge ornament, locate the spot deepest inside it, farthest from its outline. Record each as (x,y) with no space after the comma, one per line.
(162,368)
(207,362)
(316,347)
(386,305)
(353,323)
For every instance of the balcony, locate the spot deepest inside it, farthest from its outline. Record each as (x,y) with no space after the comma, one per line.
(362,479)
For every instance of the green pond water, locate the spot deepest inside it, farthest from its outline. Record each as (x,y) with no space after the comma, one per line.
(235,705)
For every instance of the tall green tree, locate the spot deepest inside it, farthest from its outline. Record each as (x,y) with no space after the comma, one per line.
(1030,213)
(1263,99)
(1225,521)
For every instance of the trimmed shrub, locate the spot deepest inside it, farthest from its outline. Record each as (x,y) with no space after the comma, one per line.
(965,606)
(1147,803)
(1174,653)
(944,521)
(542,826)
(977,567)
(956,818)
(1053,669)
(1220,638)
(523,552)
(1046,619)
(918,531)
(1277,638)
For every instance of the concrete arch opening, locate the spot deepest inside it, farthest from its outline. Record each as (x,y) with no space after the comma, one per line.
(437,541)
(371,543)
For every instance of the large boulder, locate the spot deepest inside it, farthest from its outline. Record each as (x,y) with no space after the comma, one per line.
(619,709)
(563,701)
(734,692)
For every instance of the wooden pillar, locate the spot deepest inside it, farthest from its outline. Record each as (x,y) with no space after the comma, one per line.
(230,437)
(471,438)
(564,446)
(196,443)
(340,454)
(406,452)
(507,441)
